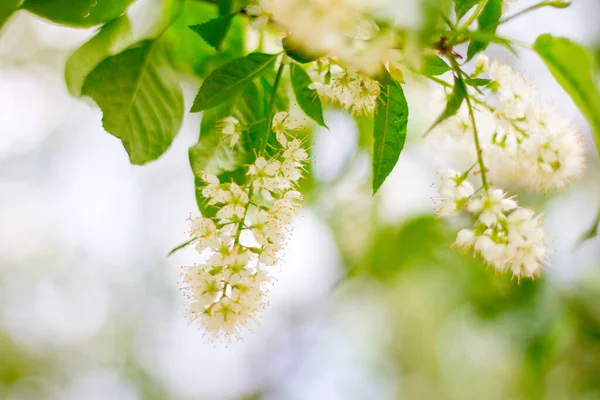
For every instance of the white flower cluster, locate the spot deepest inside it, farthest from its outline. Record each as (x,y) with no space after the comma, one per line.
(506,236)
(333,28)
(524,141)
(350,89)
(246,235)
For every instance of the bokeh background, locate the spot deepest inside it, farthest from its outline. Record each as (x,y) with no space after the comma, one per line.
(371,301)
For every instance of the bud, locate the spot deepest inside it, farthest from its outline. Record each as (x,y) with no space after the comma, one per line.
(558,3)
(482,65)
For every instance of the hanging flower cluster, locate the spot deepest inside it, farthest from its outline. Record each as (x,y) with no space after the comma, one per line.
(517,139)
(246,235)
(524,141)
(340,29)
(346,87)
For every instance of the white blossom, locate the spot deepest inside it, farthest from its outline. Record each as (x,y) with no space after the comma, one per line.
(231,127)
(246,235)
(491,206)
(284,126)
(454,191)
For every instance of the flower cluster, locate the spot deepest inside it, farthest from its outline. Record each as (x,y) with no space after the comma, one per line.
(341,29)
(350,89)
(506,236)
(524,141)
(520,141)
(245,236)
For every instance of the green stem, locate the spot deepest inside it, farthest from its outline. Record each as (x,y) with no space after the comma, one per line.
(264,140)
(527,10)
(459,79)
(484,180)
(473,16)
(271,110)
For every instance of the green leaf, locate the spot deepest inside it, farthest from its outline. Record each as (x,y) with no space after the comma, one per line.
(227,7)
(114,37)
(454,102)
(297,52)
(140,98)
(231,79)
(462,7)
(488,23)
(572,67)
(7,7)
(434,66)
(189,53)
(476,82)
(389,131)
(214,31)
(308,99)
(282,100)
(79,13)
(213,154)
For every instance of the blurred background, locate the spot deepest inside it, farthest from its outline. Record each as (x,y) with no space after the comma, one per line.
(371,302)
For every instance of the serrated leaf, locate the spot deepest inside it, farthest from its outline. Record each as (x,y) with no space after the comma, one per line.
(307,98)
(389,130)
(214,31)
(7,7)
(116,36)
(112,39)
(572,67)
(488,23)
(231,79)
(434,66)
(454,102)
(462,7)
(140,98)
(79,13)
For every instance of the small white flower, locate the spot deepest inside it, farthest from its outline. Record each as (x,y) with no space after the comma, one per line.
(266,229)
(231,127)
(454,192)
(236,204)
(283,126)
(263,173)
(283,210)
(465,238)
(269,254)
(206,232)
(295,151)
(491,206)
